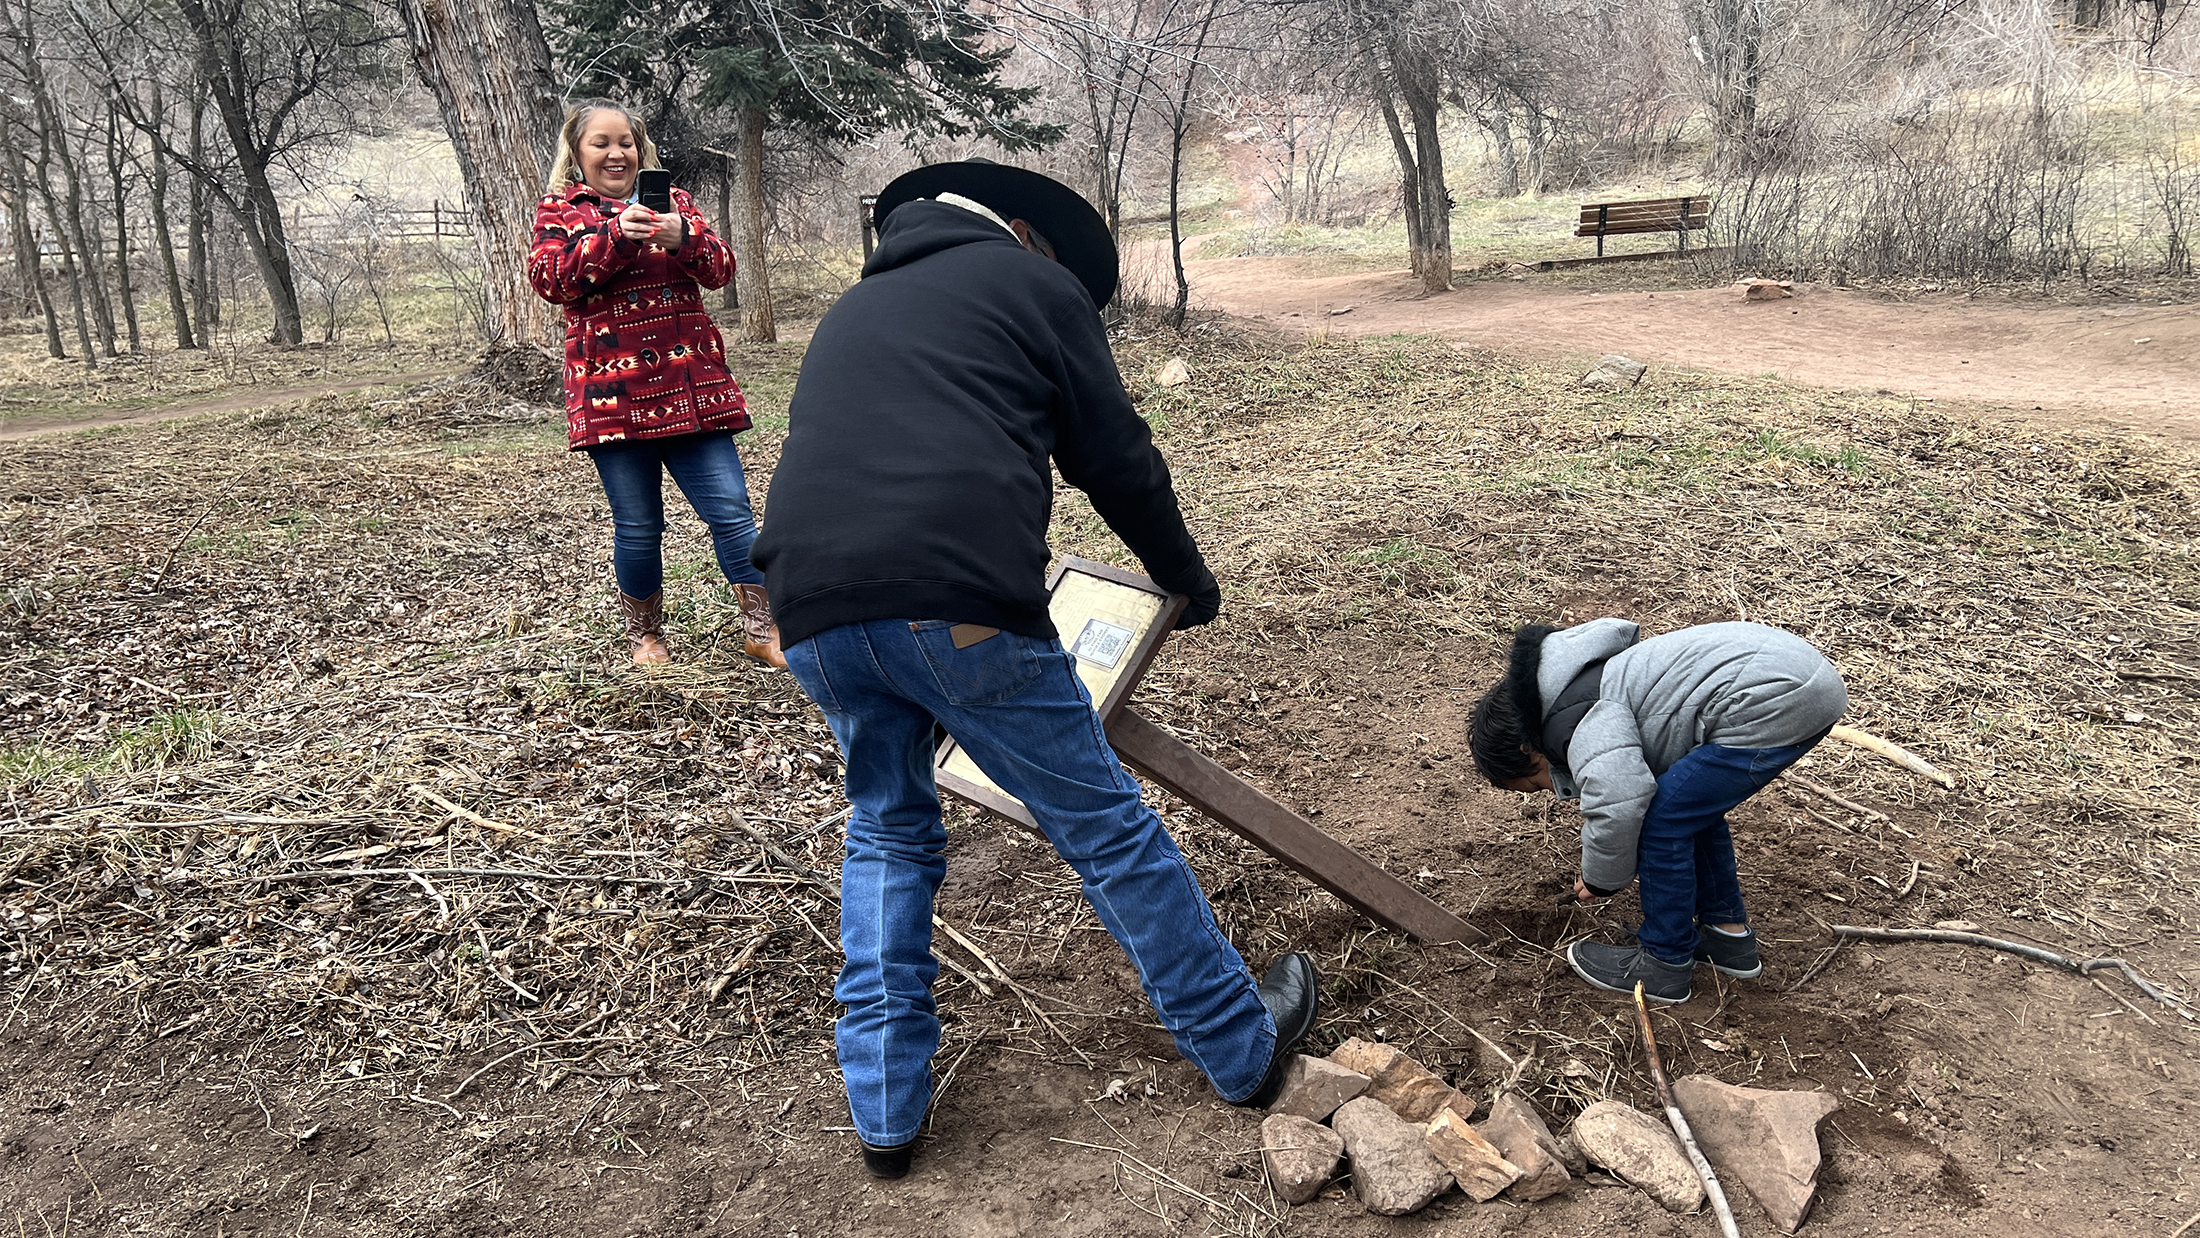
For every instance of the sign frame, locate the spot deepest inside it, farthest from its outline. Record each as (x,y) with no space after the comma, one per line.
(1138,660)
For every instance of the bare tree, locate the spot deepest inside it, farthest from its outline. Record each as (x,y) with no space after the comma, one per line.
(1187,66)
(29,262)
(179,309)
(283,77)
(117,154)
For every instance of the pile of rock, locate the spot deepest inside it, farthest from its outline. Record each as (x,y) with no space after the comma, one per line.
(1410,1138)
(1408,1134)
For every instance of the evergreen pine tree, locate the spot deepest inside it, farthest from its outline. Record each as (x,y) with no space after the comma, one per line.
(838,71)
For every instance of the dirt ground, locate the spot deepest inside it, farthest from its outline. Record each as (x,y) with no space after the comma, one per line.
(258,982)
(2130,365)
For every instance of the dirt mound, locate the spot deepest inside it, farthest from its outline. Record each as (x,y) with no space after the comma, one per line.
(527,372)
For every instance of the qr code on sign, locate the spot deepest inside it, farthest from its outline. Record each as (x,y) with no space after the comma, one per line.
(1102,644)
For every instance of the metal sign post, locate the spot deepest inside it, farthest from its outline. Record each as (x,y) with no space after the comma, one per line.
(1114,622)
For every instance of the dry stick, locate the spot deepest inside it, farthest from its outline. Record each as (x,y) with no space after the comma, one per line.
(2187,1225)
(1673,1115)
(1019,990)
(1832,796)
(1818,966)
(467,814)
(1892,751)
(340,874)
(575,1039)
(169,562)
(2084,967)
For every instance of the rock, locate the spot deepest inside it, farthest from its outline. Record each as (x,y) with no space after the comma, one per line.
(1768,290)
(1766,1140)
(1301,1156)
(1368,1057)
(1345,310)
(1313,1087)
(1614,373)
(1518,1133)
(1412,1090)
(1393,1171)
(1475,1163)
(1173,374)
(1642,1150)
(1569,1153)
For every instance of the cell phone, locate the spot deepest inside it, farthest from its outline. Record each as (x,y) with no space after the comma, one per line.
(653,189)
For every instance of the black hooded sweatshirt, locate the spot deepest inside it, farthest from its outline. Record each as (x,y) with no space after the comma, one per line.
(914,481)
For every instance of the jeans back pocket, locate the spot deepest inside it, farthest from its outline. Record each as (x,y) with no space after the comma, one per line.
(985,673)
(808,670)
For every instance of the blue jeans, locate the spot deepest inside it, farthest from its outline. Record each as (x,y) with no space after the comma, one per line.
(708,469)
(1685,866)
(1016,706)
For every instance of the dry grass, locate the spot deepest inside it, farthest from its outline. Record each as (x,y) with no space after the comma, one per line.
(317,738)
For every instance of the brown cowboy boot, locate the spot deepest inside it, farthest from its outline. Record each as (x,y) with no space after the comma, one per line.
(761,635)
(645,628)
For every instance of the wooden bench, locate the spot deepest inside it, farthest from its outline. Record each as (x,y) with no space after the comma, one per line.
(1679,216)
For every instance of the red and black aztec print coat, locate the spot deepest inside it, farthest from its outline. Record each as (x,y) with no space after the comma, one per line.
(642,357)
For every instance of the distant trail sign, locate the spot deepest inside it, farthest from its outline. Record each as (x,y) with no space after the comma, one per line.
(1114,621)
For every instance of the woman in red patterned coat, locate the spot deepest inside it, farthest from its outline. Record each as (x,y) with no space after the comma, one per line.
(646,386)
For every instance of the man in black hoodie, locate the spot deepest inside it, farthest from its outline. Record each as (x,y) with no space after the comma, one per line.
(906,557)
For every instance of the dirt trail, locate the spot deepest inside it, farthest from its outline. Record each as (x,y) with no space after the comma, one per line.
(12,430)
(2129,366)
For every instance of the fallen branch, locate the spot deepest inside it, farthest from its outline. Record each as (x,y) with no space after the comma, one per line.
(1711,1187)
(1831,796)
(2083,967)
(1894,752)
(468,814)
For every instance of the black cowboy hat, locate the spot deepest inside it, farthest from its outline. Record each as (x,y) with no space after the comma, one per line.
(1079,236)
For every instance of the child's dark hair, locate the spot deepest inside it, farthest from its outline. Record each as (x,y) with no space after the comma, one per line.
(1509,715)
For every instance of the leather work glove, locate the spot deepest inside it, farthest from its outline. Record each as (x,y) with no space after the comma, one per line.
(1206,604)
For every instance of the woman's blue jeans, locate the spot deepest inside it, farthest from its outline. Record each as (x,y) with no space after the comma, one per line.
(1685,865)
(708,468)
(1016,706)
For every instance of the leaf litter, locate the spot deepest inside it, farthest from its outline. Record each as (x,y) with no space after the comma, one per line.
(318,739)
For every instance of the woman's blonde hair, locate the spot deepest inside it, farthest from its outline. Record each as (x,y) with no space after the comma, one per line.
(566,171)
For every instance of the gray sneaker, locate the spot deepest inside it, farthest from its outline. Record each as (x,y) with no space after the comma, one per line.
(1733,956)
(1617,968)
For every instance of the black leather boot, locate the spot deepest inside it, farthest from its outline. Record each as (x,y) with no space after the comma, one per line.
(1292,992)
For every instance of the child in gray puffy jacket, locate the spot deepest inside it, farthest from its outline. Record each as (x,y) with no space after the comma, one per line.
(1659,739)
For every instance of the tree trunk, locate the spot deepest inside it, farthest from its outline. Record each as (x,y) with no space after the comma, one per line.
(748,230)
(257,208)
(1498,121)
(1417,85)
(1177,124)
(1180,120)
(122,231)
(489,67)
(164,232)
(69,270)
(729,297)
(79,255)
(1409,178)
(28,260)
(1539,146)
(206,301)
